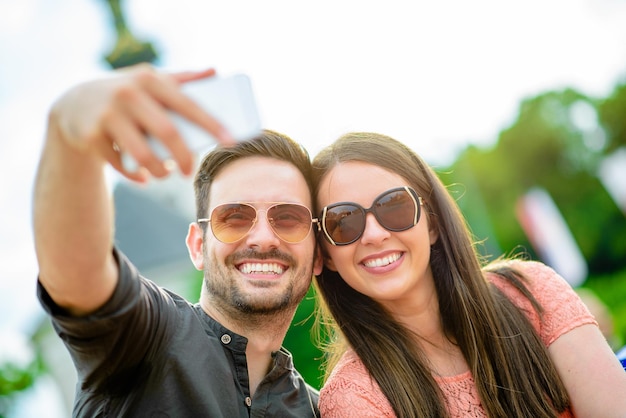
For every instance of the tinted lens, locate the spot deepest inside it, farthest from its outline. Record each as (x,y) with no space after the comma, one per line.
(231,222)
(344,223)
(395,210)
(290,221)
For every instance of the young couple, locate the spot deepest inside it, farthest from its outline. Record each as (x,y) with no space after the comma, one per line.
(418,326)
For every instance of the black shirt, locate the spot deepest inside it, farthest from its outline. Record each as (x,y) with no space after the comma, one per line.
(150,353)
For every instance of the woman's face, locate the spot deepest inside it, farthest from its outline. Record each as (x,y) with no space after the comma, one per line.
(390,267)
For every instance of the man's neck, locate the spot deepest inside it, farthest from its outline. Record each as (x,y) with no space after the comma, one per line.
(265,334)
(270,327)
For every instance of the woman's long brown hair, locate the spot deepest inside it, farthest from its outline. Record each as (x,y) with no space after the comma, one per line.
(513,372)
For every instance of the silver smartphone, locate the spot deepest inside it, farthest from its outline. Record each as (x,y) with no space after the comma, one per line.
(229,99)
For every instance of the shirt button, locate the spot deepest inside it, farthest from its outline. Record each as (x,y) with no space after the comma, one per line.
(225,339)
(248,401)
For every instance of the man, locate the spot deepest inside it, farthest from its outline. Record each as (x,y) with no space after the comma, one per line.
(140,350)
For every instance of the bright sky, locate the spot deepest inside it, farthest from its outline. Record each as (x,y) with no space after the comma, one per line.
(437,75)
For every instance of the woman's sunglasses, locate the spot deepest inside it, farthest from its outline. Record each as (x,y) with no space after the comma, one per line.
(230,222)
(395,210)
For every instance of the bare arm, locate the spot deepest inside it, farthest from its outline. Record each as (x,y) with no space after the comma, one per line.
(73,226)
(72,209)
(593,376)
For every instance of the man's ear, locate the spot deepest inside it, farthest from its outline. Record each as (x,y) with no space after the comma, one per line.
(195,245)
(318,261)
(324,258)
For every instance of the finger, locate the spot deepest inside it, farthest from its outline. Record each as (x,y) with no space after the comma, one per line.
(185,76)
(130,139)
(194,113)
(166,89)
(137,114)
(168,94)
(111,153)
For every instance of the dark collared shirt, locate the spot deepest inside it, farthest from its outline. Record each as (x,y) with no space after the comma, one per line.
(150,353)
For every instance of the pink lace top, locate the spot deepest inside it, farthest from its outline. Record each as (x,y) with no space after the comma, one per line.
(351,393)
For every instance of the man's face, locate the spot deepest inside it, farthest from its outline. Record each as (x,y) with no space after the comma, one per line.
(260,273)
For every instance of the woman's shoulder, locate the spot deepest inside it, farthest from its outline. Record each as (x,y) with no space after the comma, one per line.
(540,279)
(351,388)
(562,308)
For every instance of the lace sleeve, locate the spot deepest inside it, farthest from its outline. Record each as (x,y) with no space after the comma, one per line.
(350,392)
(563,310)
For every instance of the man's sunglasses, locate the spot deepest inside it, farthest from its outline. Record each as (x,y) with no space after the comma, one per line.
(230,222)
(396,210)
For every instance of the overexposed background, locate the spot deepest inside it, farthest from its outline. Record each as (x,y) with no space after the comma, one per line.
(437,75)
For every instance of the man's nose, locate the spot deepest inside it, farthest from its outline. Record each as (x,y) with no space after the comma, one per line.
(261,234)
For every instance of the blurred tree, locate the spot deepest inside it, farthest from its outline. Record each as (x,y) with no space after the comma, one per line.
(555,143)
(15,378)
(612,115)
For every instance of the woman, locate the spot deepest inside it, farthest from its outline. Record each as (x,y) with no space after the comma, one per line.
(418,328)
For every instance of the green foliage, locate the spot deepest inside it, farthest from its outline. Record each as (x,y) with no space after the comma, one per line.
(300,342)
(611,114)
(553,145)
(14,379)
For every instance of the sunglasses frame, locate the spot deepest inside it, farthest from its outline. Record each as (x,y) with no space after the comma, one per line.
(256,217)
(417,201)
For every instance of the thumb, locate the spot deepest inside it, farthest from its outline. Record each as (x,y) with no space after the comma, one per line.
(185,76)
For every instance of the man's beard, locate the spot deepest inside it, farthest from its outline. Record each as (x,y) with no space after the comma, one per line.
(222,283)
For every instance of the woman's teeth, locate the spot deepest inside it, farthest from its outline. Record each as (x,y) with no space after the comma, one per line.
(379,262)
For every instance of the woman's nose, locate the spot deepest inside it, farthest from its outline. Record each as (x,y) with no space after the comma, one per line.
(374,232)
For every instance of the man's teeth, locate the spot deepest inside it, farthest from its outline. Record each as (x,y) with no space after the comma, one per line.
(248,268)
(379,262)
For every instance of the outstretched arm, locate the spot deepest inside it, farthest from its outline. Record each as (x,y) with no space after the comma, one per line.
(73,212)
